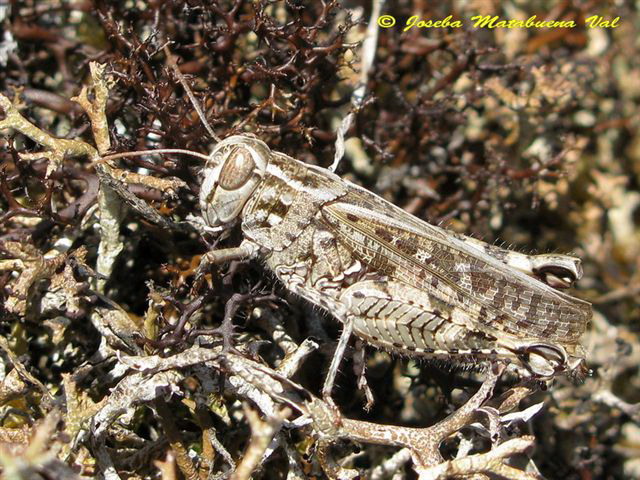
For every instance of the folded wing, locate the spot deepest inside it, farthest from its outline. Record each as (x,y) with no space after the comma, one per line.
(470,288)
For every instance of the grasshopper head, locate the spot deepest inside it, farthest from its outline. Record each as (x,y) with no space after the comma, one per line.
(232,173)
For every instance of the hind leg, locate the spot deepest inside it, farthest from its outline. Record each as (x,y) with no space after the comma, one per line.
(359,367)
(557,271)
(347,330)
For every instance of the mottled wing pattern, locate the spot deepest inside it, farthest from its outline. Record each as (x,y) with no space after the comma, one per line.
(488,294)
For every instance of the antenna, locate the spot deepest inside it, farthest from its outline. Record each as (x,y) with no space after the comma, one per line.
(190,94)
(139,153)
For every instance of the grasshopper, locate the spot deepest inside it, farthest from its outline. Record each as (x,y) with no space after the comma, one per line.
(393,280)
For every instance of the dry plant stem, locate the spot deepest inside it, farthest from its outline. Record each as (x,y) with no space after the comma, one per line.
(133,390)
(12,387)
(169,185)
(57,148)
(246,378)
(262,432)
(95,108)
(296,471)
(219,447)
(79,410)
(271,321)
(510,399)
(192,97)
(33,267)
(175,441)
(37,454)
(130,392)
(208,454)
(167,467)
(368,54)
(266,387)
(292,362)
(607,397)
(330,466)
(112,209)
(423,442)
(490,462)
(4,345)
(15,438)
(392,464)
(210,444)
(103,460)
(112,192)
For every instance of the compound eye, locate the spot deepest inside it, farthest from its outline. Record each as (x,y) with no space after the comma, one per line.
(237,169)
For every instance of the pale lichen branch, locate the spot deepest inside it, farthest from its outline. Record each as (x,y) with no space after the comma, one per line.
(96,107)
(56,148)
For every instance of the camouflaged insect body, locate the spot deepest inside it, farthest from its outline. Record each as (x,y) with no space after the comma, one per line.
(407,286)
